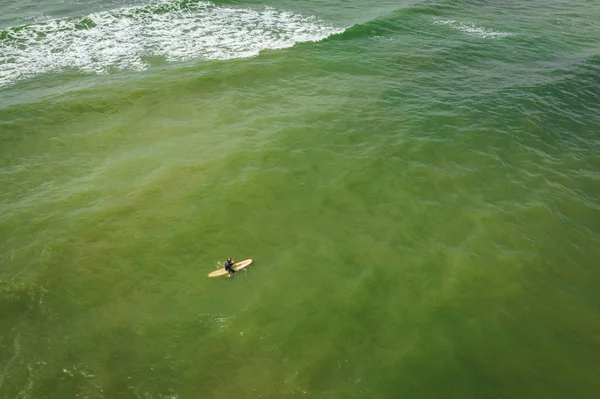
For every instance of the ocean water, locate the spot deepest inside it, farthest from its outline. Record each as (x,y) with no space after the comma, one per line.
(417,182)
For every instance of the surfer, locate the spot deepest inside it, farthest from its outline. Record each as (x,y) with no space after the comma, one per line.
(229,267)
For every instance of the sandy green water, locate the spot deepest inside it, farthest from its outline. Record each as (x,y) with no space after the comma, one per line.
(419,193)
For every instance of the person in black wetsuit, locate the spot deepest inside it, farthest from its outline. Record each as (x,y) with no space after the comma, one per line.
(229,267)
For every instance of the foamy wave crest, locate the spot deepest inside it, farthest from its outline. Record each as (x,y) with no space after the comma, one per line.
(176,30)
(472,30)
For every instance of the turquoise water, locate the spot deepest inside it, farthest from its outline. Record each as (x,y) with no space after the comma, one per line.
(418,184)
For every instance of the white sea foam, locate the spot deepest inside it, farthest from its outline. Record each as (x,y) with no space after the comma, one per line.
(472,30)
(177,31)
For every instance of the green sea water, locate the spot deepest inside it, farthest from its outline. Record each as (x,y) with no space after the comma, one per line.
(417,182)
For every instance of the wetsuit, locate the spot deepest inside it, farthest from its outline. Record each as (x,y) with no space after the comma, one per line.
(229,266)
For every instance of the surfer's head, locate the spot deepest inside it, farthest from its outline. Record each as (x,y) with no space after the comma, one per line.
(228,258)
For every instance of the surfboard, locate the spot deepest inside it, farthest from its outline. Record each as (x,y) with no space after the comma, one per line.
(236,267)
